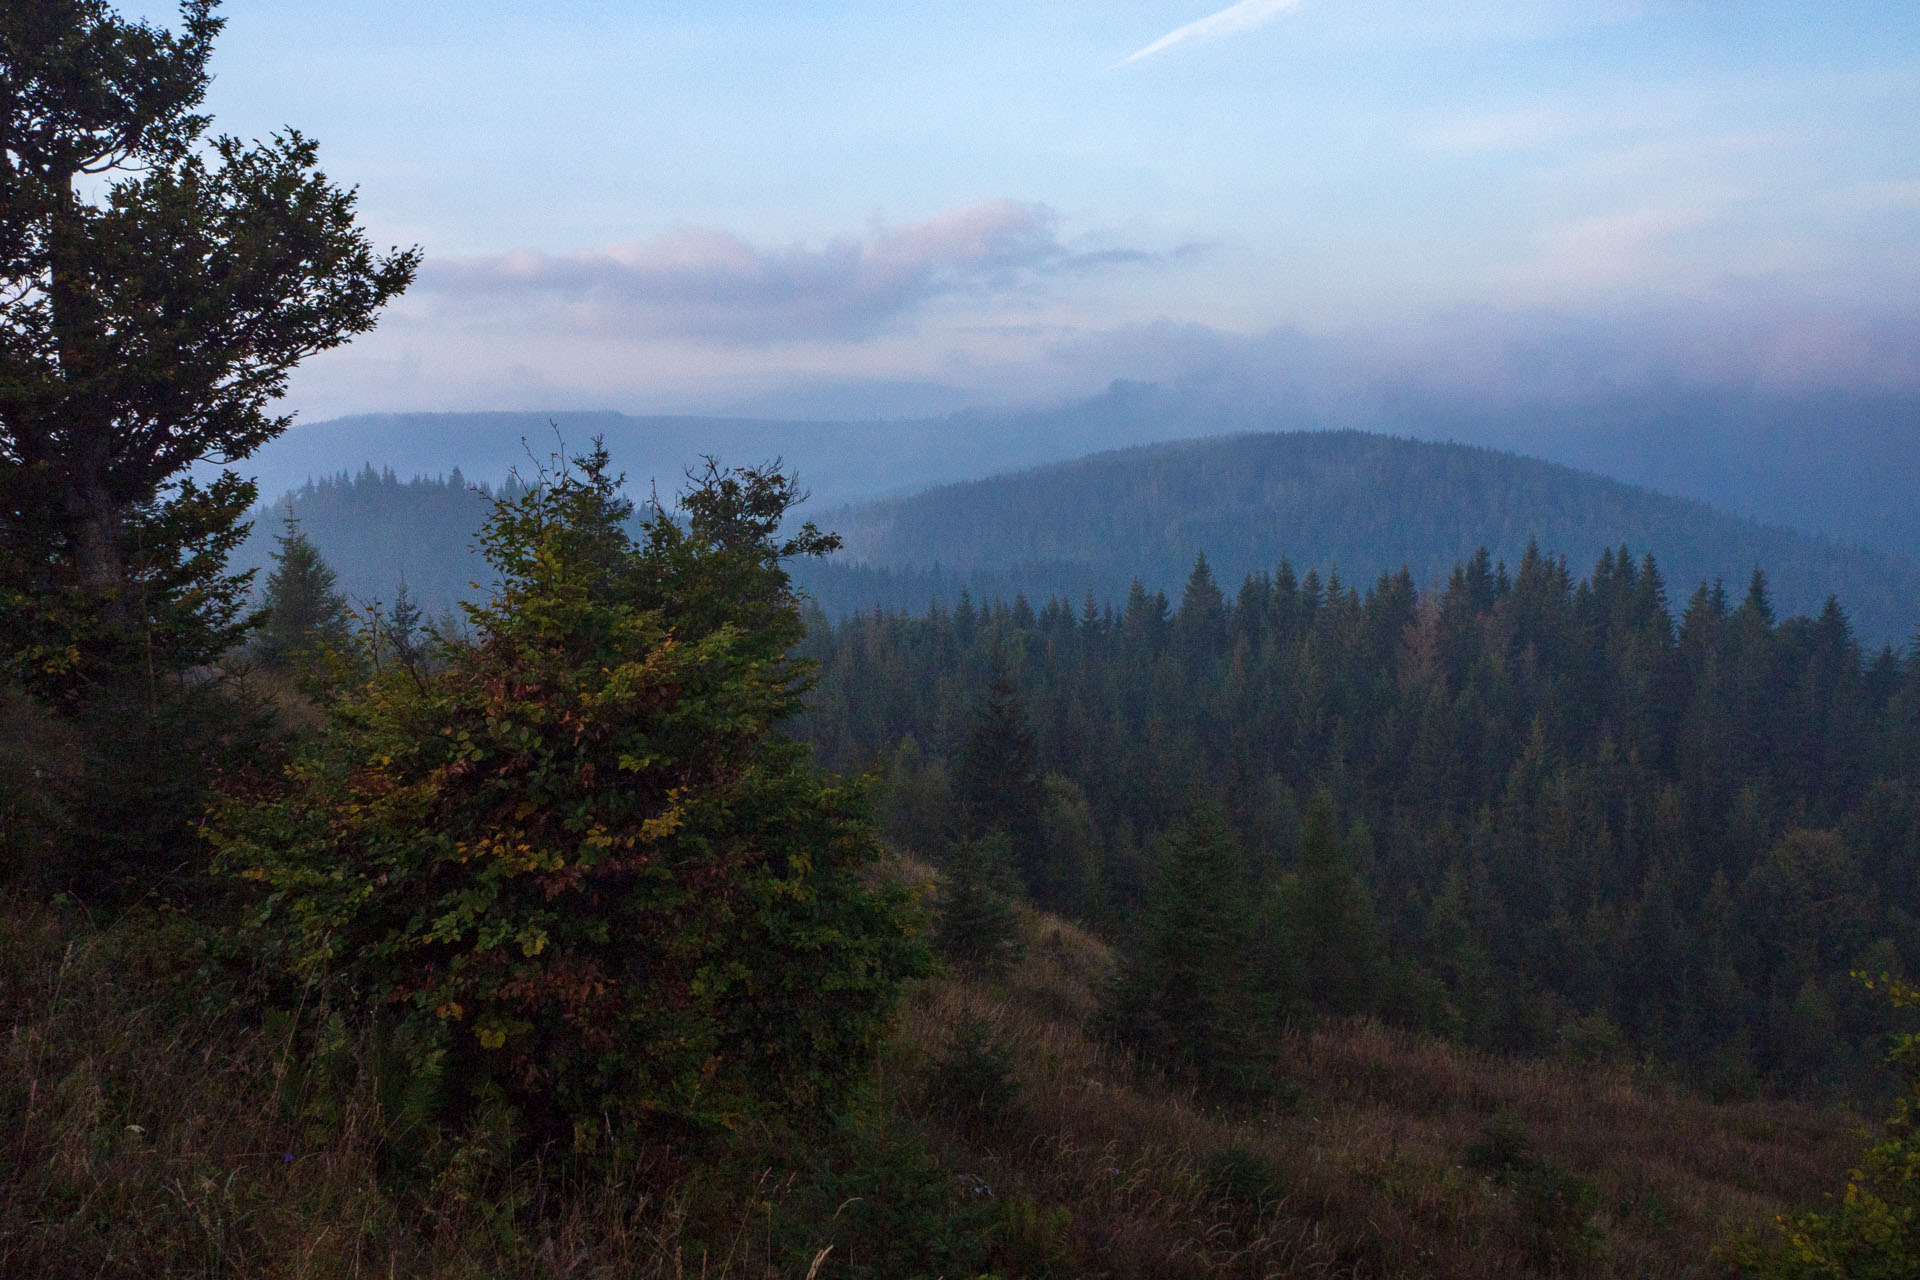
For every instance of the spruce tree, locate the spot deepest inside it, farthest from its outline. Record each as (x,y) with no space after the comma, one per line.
(1342,946)
(305,614)
(999,784)
(405,628)
(159,286)
(1201,624)
(1185,1000)
(977,926)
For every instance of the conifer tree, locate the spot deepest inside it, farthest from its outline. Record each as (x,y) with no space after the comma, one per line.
(999,784)
(1201,624)
(1342,947)
(977,927)
(305,614)
(404,631)
(1184,1000)
(159,285)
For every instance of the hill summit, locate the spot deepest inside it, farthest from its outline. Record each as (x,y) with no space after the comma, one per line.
(1358,503)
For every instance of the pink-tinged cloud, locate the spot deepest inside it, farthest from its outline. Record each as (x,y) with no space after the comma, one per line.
(714,286)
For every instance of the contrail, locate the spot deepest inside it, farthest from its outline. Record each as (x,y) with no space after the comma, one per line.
(1244,16)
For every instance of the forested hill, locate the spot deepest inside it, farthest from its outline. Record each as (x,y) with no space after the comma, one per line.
(377,531)
(837,461)
(1363,504)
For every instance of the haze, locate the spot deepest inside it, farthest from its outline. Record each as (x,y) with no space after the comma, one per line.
(862,210)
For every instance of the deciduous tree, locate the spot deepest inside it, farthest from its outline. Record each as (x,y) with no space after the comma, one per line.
(576,859)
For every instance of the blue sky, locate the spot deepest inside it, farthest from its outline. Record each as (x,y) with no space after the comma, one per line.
(723,204)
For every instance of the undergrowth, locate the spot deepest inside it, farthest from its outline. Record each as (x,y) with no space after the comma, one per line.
(153,1122)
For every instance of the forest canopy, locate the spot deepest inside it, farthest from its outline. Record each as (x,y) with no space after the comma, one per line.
(1569,814)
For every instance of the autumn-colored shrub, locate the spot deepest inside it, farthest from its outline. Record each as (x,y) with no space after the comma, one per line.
(574,858)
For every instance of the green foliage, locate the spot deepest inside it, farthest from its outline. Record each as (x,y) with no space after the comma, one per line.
(305,614)
(918,812)
(1872,1232)
(1502,1147)
(998,783)
(103,798)
(150,319)
(1184,1000)
(575,858)
(1553,1207)
(871,1191)
(970,1082)
(1327,912)
(157,286)
(1554,799)
(977,925)
(1593,1039)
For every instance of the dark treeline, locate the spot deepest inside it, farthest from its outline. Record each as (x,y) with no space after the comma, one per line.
(378,531)
(1546,813)
(1369,504)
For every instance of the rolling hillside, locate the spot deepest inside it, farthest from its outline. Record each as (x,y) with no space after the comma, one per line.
(1359,503)
(1362,504)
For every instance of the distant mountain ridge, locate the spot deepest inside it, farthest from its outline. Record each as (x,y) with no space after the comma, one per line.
(838,461)
(1833,464)
(1354,502)
(1359,503)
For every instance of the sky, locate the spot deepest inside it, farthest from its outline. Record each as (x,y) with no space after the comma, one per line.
(855,207)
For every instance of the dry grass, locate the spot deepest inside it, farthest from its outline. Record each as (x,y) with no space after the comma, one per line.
(1368,1163)
(147,1128)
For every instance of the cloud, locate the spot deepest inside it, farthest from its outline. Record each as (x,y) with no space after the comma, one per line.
(1632,249)
(1235,18)
(711,285)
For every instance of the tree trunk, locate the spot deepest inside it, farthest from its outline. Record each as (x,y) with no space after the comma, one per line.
(95,518)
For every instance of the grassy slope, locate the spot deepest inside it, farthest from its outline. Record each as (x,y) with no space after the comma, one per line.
(145,1128)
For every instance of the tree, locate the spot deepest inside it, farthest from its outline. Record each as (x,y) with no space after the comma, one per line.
(403,631)
(305,612)
(159,285)
(1327,908)
(978,926)
(999,782)
(1184,1000)
(1201,624)
(575,860)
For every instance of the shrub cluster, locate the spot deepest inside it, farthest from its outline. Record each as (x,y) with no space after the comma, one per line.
(574,859)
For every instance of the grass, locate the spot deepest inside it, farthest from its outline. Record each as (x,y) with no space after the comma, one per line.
(150,1124)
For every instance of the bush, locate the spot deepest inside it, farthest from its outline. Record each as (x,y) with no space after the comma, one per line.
(1556,1215)
(574,858)
(978,927)
(1554,1207)
(1502,1147)
(971,1084)
(1872,1232)
(1593,1039)
(103,797)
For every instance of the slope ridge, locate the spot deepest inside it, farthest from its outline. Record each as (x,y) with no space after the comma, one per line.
(1359,503)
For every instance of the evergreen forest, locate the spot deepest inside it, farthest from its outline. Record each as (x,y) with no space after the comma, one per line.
(1546,811)
(595,879)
